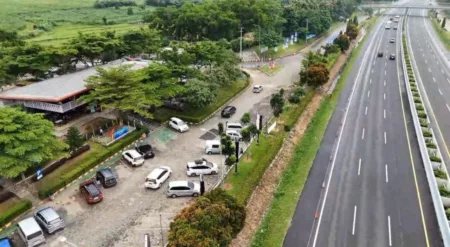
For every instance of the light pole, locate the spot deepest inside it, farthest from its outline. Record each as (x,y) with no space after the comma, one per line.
(306,36)
(240,50)
(220,152)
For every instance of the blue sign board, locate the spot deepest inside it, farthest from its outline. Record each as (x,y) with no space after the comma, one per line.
(39,173)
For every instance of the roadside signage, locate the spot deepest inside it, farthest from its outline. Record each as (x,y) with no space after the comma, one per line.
(39,173)
(264,49)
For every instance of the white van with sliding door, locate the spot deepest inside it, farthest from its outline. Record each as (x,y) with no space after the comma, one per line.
(212,147)
(30,232)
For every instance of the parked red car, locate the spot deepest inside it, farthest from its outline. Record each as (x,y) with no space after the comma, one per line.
(90,191)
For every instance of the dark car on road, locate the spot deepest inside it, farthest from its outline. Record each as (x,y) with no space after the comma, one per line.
(107,177)
(145,150)
(228,111)
(380,54)
(392,57)
(90,191)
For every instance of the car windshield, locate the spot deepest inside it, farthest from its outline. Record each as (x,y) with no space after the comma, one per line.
(191,185)
(152,181)
(55,221)
(145,148)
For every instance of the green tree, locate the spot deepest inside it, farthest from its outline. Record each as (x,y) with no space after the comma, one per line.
(124,89)
(93,46)
(141,41)
(277,104)
(246,135)
(245,119)
(26,140)
(271,38)
(130,11)
(105,20)
(317,75)
(352,30)
(200,94)
(74,138)
(342,41)
(355,20)
(212,220)
(227,145)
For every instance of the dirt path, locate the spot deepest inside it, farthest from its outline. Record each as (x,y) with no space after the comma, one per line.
(262,196)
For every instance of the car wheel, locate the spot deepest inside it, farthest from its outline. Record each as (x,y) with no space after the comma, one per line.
(195,194)
(213,172)
(209,153)
(173,196)
(159,186)
(193,174)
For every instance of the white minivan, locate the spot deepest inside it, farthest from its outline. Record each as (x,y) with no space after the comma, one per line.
(234,126)
(212,147)
(30,232)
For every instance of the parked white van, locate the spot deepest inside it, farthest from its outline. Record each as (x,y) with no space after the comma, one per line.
(234,126)
(30,232)
(212,147)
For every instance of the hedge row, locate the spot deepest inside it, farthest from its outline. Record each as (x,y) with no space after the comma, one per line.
(85,165)
(14,211)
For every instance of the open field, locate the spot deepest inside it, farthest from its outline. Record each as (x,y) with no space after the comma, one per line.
(64,19)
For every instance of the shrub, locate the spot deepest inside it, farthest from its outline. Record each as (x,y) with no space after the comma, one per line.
(421,114)
(230,160)
(417,100)
(427,133)
(6,195)
(193,226)
(431,145)
(220,127)
(416,94)
(443,191)
(435,159)
(51,186)
(414,89)
(423,122)
(14,211)
(440,174)
(287,128)
(447,213)
(245,119)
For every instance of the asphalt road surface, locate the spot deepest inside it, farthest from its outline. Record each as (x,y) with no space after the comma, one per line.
(368,194)
(433,74)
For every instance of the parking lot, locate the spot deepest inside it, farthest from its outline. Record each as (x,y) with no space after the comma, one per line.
(128,210)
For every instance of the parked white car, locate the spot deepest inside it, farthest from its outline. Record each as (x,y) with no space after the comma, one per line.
(157,177)
(178,124)
(197,167)
(183,188)
(133,157)
(257,88)
(235,136)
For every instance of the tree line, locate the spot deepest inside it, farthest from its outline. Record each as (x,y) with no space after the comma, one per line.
(270,19)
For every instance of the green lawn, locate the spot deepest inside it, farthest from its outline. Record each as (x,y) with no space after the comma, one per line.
(268,70)
(277,220)
(68,16)
(8,204)
(443,34)
(198,115)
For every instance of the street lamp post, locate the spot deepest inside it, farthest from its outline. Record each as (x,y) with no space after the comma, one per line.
(306,36)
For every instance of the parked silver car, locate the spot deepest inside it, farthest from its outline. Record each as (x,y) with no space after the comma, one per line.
(183,188)
(49,219)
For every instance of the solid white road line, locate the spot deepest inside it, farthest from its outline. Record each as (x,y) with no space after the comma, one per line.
(385,138)
(448,107)
(366,111)
(384,113)
(359,167)
(440,91)
(389,227)
(354,220)
(362,136)
(384,96)
(434,79)
(387,176)
(368,94)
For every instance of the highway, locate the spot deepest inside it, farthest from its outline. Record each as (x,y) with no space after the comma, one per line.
(368,193)
(433,75)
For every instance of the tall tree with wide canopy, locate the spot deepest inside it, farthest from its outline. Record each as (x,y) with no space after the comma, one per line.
(26,140)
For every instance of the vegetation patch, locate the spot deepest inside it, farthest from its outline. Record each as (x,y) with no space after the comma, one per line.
(423,122)
(417,100)
(440,174)
(421,114)
(13,210)
(443,191)
(198,115)
(435,159)
(269,70)
(443,34)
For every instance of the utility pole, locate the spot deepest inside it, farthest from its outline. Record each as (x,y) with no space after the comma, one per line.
(240,51)
(306,36)
(259,35)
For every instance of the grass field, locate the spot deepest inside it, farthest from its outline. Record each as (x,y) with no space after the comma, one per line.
(64,18)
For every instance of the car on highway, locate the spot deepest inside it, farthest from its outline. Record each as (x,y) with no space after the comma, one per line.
(380,54)
(257,88)
(395,28)
(49,220)
(392,57)
(392,40)
(133,157)
(90,191)
(107,177)
(202,166)
(388,27)
(145,149)
(178,124)
(183,188)
(228,111)
(157,177)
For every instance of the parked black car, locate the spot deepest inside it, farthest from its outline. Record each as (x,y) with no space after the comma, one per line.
(145,149)
(107,177)
(228,111)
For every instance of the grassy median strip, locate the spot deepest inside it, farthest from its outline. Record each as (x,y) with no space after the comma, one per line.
(277,220)
(443,34)
(197,115)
